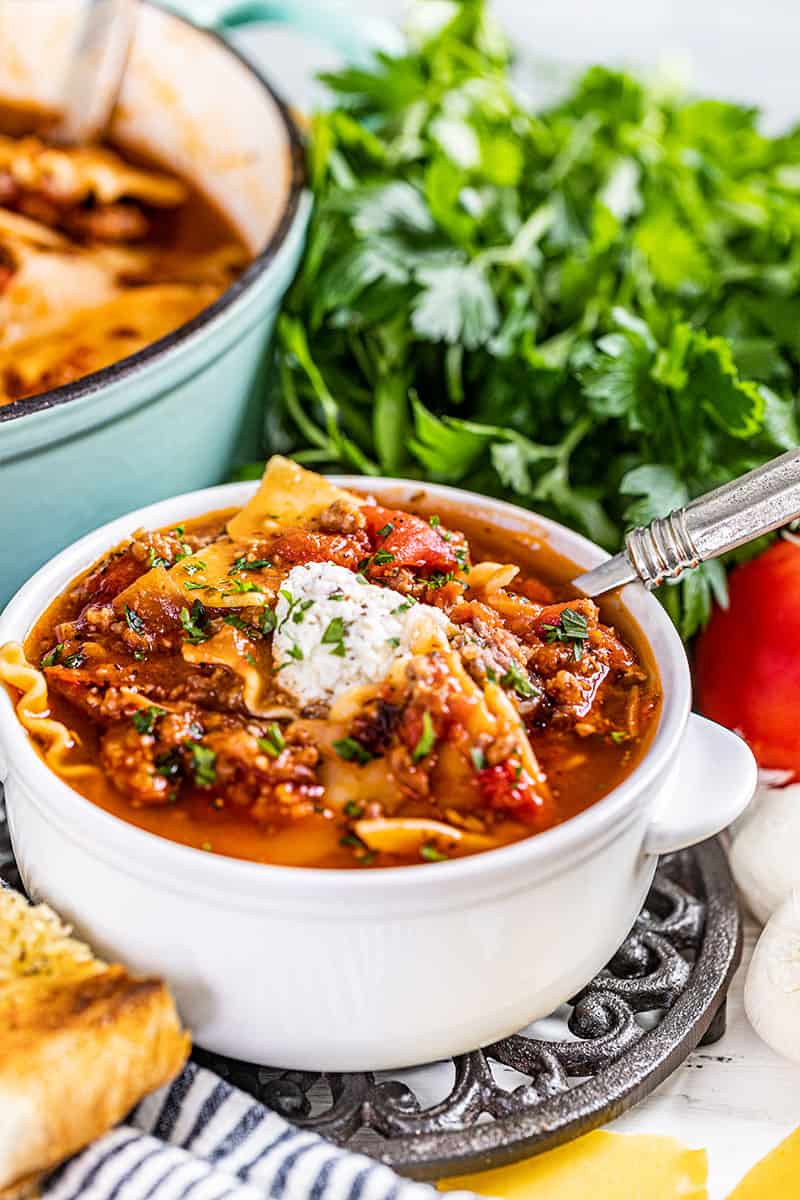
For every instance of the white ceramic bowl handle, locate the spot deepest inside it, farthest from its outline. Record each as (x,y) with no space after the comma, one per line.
(714,781)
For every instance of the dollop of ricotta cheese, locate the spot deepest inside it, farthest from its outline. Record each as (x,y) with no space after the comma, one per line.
(335,632)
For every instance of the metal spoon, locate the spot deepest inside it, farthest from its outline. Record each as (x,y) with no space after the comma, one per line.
(737,512)
(96,70)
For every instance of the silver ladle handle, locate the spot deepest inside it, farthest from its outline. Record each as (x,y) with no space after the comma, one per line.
(739,511)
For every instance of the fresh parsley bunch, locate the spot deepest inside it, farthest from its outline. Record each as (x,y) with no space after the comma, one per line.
(592,309)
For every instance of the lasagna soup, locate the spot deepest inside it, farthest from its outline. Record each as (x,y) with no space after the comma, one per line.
(318,680)
(98,258)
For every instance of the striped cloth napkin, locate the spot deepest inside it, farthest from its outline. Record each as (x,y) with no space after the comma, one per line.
(202,1138)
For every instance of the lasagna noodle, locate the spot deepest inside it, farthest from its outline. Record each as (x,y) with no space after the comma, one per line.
(56,741)
(249,660)
(490,576)
(95,337)
(79,173)
(287,495)
(211,569)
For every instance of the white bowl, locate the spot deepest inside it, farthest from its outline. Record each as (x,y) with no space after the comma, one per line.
(345,970)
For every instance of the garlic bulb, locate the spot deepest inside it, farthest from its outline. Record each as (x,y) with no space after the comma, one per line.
(772,987)
(765,855)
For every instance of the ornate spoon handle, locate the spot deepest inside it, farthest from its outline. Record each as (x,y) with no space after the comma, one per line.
(737,512)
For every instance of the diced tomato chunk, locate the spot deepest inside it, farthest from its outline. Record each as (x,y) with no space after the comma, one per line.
(508,788)
(411,541)
(305,546)
(113,577)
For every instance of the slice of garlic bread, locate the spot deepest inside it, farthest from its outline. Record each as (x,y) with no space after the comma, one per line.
(80,1042)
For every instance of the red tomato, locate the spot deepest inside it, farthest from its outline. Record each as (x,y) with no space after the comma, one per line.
(747,662)
(510,789)
(305,546)
(411,541)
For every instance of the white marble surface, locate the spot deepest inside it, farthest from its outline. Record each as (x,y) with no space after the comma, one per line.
(736,1098)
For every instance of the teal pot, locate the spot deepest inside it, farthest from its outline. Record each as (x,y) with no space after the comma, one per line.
(183,412)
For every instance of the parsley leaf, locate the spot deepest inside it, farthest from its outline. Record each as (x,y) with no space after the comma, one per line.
(273,741)
(571,627)
(518,679)
(334,637)
(203,764)
(427,739)
(144,719)
(51,658)
(133,620)
(543,301)
(352,750)
(194,623)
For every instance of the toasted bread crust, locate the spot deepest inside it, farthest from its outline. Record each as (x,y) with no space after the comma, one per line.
(79,1046)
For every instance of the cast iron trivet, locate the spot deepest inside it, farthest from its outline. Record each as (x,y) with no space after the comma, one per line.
(661,995)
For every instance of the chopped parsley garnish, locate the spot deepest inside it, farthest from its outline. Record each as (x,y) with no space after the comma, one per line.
(248,564)
(478,758)
(194,622)
(382,556)
(155,560)
(144,720)
(139,655)
(336,596)
(196,587)
(294,602)
(387,529)
(361,577)
(491,674)
(295,652)
(431,854)
(51,658)
(179,530)
(439,579)
(434,521)
(405,606)
(352,750)
(334,637)
(169,764)
(194,568)
(239,586)
(203,764)
(353,810)
(273,741)
(350,839)
(618,736)
(517,679)
(571,627)
(300,611)
(251,660)
(75,661)
(427,739)
(134,621)
(268,620)
(243,626)
(461,558)
(393,641)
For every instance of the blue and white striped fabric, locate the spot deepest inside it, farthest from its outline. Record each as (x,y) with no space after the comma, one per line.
(202,1139)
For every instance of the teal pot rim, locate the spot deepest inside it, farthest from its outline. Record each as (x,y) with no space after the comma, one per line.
(127,368)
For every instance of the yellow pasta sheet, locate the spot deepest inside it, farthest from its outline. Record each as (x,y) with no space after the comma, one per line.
(776,1177)
(599,1166)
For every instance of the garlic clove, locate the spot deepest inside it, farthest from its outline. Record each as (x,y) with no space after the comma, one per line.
(772,987)
(764,856)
